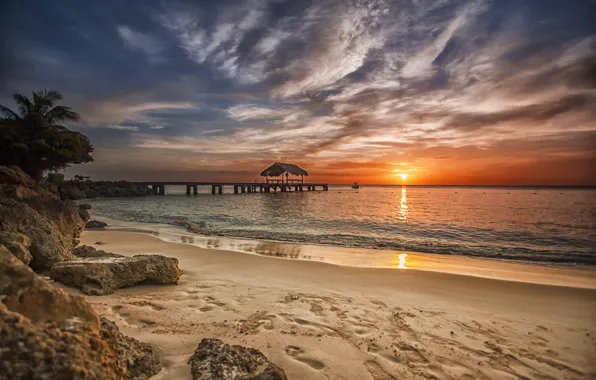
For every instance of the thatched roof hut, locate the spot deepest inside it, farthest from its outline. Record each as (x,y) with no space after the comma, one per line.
(280,168)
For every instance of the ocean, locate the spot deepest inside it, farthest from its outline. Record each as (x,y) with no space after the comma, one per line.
(548,225)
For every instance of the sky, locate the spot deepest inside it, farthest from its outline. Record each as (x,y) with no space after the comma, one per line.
(474,92)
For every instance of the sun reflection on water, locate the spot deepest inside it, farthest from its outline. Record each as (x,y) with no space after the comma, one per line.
(400,261)
(403,205)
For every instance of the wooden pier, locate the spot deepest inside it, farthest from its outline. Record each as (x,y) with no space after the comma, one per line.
(159,188)
(274,181)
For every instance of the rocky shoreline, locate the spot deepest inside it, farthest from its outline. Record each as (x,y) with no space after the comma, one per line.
(48,333)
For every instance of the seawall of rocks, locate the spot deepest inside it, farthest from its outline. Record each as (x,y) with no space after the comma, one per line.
(75,190)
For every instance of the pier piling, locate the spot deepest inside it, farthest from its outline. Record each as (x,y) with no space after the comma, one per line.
(159,188)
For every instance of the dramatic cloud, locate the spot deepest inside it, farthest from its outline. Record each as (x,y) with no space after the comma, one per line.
(450,91)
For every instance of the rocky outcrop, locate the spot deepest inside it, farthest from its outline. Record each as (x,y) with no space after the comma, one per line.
(100,276)
(85,251)
(18,244)
(71,192)
(80,190)
(139,358)
(45,332)
(214,360)
(13,175)
(35,210)
(53,350)
(70,350)
(26,293)
(49,244)
(85,206)
(95,224)
(84,212)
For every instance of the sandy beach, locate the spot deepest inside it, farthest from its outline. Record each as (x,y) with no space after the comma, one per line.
(321,321)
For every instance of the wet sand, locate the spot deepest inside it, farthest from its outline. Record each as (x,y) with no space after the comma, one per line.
(320,321)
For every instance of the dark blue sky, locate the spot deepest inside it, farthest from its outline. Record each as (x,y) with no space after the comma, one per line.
(445,91)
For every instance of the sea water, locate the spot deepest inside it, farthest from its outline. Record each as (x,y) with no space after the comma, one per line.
(550,225)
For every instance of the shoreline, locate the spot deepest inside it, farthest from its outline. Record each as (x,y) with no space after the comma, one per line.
(336,322)
(558,274)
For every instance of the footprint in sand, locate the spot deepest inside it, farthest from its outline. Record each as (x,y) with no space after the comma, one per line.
(328,330)
(377,372)
(149,304)
(297,353)
(251,324)
(380,304)
(213,301)
(411,353)
(146,322)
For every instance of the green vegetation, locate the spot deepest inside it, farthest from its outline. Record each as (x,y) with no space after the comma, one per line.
(34,139)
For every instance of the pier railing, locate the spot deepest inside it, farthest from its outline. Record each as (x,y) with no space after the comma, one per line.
(239,187)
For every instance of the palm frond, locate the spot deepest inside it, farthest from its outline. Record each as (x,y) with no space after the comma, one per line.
(23,103)
(51,95)
(61,113)
(8,113)
(45,99)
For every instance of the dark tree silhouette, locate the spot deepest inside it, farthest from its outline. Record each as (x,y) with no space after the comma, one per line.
(34,139)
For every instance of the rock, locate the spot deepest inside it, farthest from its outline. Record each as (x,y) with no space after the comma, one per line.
(100,243)
(100,276)
(85,206)
(50,242)
(140,358)
(70,350)
(53,350)
(18,244)
(91,193)
(35,210)
(64,214)
(86,251)
(95,224)
(13,175)
(84,215)
(72,193)
(26,293)
(215,360)
(113,192)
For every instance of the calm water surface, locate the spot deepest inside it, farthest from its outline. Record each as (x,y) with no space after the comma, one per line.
(547,225)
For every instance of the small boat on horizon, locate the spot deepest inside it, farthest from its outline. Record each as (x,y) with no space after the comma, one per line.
(355,185)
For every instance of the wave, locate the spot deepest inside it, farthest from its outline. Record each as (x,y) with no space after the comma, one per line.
(474,242)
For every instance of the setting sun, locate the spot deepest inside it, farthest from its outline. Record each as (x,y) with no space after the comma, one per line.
(404,176)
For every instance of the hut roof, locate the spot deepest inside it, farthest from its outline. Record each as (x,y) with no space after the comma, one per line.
(280,168)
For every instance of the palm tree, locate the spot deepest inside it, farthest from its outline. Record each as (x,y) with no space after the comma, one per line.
(34,138)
